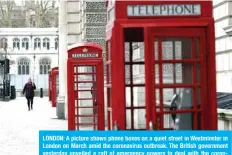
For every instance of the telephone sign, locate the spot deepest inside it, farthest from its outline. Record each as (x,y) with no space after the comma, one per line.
(164,10)
(85,55)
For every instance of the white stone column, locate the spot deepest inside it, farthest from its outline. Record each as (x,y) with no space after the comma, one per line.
(62,59)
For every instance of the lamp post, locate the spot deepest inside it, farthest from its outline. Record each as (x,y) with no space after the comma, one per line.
(32,15)
(4,46)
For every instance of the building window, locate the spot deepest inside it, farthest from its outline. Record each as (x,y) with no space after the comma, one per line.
(46,43)
(4,43)
(16,43)
(37,43)
(44,66)
(25,43)
(56,43)
(23,66)
(226,125)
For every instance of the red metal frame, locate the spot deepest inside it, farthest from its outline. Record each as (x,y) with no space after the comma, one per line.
(54,72)
(108,85)
(191,33)
(201,27)
(74,89)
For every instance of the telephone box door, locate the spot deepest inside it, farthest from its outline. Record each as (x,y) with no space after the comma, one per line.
(86,95)
(178,81)
(57,86)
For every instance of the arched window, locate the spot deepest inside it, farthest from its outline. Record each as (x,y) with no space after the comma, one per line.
(25,43)
(4,43)
(16,43)
(23,66)
(46,43)
(37,43)
(56,43)
(44,66)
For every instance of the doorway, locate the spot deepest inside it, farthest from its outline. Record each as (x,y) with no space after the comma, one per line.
(165,78)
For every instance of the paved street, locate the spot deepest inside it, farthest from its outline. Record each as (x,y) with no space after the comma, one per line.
(19,128)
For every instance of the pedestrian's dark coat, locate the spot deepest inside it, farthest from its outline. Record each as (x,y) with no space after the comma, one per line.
(29,90)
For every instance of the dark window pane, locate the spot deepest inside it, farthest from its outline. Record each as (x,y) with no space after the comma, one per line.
(56,45)
(27,45)
(41,69)
(35,45)
(19,69)
(27,70)
(23,70)
(45,69)
(48,46)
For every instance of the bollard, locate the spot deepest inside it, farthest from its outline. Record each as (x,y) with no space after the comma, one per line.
(41,92)
(13,92)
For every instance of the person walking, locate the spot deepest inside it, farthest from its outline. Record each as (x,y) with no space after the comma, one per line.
(28,91)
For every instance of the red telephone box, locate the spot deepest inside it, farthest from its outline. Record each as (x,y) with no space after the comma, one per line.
(85,87)
(55,85)
(50,85)
(161,65)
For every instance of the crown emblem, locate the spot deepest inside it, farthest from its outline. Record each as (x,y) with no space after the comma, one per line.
(85,50)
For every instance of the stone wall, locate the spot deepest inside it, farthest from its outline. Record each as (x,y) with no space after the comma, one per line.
(85,22)
(224,119)
(96,20)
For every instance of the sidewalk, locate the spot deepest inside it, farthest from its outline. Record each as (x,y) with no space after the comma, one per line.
(19,128)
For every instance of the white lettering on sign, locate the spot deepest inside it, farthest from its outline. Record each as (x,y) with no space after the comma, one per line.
(85,55)
(164,10)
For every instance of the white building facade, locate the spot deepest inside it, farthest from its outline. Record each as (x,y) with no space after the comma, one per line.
(32,52)
(79,21)
(223,32)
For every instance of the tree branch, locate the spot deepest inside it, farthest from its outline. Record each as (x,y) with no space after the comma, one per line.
(2,11)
